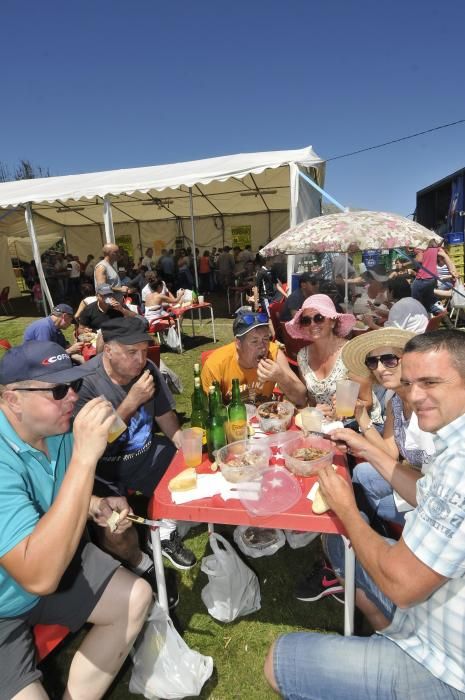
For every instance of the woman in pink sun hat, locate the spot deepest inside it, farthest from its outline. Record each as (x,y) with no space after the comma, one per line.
(320,362)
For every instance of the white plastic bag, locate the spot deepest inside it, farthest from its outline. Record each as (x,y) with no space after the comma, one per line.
(164,666)
(258,550)
(296,539)
(171,338)
(232,589)
(458,300)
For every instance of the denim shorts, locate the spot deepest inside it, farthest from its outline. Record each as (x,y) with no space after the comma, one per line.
(333,546)
(312,666)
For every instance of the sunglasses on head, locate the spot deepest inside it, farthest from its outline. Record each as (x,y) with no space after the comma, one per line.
(389,360)
(59,391)
(308,320)
(253,318)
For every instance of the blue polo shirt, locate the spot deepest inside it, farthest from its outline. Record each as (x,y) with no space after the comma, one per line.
(44,329)
(29,485)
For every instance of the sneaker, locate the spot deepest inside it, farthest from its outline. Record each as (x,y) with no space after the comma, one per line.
(319,583)
(171,585)
(174,550)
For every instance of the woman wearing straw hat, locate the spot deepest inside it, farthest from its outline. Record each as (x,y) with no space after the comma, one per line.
(320,361)
(379,355)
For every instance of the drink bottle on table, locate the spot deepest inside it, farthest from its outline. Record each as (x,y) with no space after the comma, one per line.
(222,410)
(236,426)
(204,396)
(216,437)
(199,415)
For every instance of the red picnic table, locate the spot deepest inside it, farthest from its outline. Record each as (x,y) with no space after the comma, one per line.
(215,510)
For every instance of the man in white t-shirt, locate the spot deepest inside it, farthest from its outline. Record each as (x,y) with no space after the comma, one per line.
(412,591)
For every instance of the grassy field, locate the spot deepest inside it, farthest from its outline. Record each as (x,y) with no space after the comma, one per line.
(238,649)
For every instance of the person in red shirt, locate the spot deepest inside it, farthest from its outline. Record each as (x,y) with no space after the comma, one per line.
(425,281)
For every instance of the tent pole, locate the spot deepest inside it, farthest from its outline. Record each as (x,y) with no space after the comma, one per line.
(140,239)
(194,254)
(191,205)
(323,192)
(36,253)
(108,220)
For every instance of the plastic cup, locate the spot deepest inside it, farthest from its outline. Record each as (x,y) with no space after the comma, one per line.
(312,419)
(191,445)
(201,299)
(346,397)
(118,427)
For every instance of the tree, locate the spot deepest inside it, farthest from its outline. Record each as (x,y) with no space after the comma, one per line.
(23,171)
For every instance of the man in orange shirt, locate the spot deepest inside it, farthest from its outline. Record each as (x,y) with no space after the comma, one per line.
(256,361)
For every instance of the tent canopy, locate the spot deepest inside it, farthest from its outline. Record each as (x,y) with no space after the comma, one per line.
(151,205)
(227,185)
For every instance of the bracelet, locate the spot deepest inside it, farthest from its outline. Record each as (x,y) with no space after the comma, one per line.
(362,430)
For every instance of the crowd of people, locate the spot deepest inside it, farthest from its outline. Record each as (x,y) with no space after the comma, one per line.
(63,477)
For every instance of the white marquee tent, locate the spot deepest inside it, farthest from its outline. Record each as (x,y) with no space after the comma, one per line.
(201,201)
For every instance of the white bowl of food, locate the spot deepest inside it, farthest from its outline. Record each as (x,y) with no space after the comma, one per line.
(243,460)
(275,416)
(305,456)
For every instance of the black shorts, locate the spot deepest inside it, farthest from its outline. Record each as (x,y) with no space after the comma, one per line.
(79,591)
(114,480)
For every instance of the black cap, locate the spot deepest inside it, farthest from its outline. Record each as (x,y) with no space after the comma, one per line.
(128,331)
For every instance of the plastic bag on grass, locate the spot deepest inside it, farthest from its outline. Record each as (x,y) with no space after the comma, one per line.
(297,539)
(164,666)
(232,589)
(171,338)
(258,542)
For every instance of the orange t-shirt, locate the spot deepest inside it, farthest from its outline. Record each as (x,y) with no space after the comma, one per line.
(222,366)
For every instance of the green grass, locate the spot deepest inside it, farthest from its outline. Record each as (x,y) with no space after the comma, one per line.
(239,648)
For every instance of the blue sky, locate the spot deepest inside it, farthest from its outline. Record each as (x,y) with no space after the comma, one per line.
(102,84)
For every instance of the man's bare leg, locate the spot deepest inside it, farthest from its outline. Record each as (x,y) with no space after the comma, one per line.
(269,671)
(34,691)
(124,547)
(117,619)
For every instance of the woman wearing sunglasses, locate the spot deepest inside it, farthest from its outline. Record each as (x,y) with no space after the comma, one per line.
(378,355)
(320,362)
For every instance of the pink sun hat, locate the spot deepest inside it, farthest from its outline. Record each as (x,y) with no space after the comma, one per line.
(324,305)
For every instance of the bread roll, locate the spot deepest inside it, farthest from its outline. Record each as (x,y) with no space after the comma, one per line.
(184,481)
(319,505)
(113,521)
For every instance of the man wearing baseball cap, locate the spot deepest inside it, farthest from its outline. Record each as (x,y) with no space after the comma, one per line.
(138,459)
(51,327)
(49,572)
(252,358)
(109,305)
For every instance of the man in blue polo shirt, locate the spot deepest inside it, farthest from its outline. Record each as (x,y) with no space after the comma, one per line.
(49,572)
(50,328)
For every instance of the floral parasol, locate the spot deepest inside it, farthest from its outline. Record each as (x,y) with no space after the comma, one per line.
(351,231)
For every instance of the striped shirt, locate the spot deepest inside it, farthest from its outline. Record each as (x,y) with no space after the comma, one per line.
(433,632)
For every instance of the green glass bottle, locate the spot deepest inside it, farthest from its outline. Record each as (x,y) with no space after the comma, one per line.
(237,415)
(204,396)
(216,437)
(222,410)
(199,415)
(195,296)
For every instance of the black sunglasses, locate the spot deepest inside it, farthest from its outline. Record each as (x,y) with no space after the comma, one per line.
(59,391)
(388,360)
(308,320)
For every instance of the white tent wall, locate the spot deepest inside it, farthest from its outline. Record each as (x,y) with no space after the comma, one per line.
(7,275)
(85,240)
(20,247)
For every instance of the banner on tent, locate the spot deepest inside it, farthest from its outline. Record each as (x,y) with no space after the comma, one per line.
(241,236)
(124,242)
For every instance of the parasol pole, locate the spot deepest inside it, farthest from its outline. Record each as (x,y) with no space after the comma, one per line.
(346,282)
